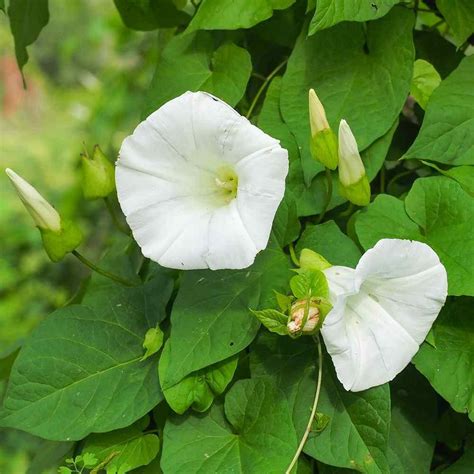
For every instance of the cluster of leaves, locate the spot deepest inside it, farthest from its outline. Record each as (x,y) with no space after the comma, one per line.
(175,373)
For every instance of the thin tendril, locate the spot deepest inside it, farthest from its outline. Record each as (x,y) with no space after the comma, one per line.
(263,86)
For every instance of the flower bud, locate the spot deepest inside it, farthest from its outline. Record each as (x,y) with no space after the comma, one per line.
(354,184)
(323,142)
(300,309)
(98,175)
(59,237)
(44,215)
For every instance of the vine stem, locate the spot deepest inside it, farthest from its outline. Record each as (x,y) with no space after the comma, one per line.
(263,86)
(101,271)
(313,409)
(114,217)
(293,256)
(328,195)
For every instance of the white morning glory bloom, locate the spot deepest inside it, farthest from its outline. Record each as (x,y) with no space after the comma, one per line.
(382,311)
(200,185)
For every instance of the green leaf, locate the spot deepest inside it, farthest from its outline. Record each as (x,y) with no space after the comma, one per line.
(27,19)
(291,365)
(273,320)
(309,283)
(331,12)
(81,370)
(358,431)
(131,446)
(89,460)
(271,121)
(146,15)
(425,80)
(7,358)
(449,366)
(447,132)
(464,175)
(413,423)
(445,214)
(286,226)
(211,320)
(255,435)
(360,61)
(198,389)
(328,240)
(436,211)
(459,15)
(234,14)
(153,342)
(189,62)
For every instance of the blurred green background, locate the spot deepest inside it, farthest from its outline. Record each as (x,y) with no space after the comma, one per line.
(86,77)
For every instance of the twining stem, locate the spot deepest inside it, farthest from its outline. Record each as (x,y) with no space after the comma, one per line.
(328,195)
(313,409)
(293,256)
(101,271)
(114,217)
(263,86)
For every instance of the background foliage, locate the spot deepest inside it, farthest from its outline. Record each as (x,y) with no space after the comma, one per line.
(218,393)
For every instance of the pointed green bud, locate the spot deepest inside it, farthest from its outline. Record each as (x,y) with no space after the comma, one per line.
(98,175)
(354,184)
(323,142)
(59,237)
(313,261)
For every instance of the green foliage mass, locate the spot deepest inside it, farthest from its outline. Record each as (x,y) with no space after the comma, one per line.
(176,371)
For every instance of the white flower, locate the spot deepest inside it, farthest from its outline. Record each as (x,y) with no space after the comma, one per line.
(200,185)
(382,311)
(44,215)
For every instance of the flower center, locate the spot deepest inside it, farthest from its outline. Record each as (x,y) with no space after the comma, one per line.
(226,181)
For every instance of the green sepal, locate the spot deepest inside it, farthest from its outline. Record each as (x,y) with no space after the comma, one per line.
(153,342)
(284,301)
(58,244)
(323,146)
(313,261)
(320,422)
(98,175)
(357,193)
(273,320)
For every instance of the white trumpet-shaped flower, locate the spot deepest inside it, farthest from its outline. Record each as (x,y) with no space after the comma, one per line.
(382,311)
(200,185)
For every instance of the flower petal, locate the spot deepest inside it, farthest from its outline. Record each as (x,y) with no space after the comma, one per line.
(261,189)
(379,321)
(170,190)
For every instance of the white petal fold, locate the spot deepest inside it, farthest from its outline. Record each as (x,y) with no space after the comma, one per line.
(170,188)
(382,311)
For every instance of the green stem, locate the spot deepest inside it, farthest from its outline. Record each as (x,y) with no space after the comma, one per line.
(114,217)
(328,195)
(101,271)
(293,256)
(348,211)
(400,175)
(263,86)
(313,409)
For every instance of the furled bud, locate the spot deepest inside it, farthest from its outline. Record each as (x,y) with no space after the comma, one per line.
(353,180)
(44,215)
(323,142)
(304,316)
(98,179)
(59,237)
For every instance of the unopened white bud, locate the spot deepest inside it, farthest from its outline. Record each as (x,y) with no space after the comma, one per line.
(44,215)
(354,183)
